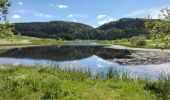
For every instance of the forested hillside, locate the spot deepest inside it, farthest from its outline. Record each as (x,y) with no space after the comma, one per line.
(53,29)
(123,28)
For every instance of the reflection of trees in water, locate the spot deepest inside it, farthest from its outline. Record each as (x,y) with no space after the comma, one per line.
(65,53)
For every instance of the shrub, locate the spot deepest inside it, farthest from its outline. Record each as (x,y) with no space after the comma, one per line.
(65,36)
(138,41)
(52,90)
(161,88)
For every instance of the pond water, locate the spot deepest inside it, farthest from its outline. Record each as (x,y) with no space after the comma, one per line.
(89,56)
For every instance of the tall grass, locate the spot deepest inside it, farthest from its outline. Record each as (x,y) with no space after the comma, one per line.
(160,88)
(55,82)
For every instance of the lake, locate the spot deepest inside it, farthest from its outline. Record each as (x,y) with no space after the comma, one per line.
(79,55)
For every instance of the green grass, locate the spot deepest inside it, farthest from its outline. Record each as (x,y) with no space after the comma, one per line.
(124,42)
(23,40)
(161,88)
(23,83)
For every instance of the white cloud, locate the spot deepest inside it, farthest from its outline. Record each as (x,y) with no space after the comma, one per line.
(16,16)
(101,16)
(22,11)
(70,16)
(74,17)
(20,3)
(42,15)
(62,6)
(102,19)
(74,20)
(36,14)
(78,16)
(153,12)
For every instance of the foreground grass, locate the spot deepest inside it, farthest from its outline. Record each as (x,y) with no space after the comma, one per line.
(53,83)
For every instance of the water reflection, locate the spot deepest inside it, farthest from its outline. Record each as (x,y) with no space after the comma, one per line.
(93,57)
(64,53)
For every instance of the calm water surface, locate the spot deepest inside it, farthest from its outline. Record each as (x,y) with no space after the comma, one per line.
(78,55)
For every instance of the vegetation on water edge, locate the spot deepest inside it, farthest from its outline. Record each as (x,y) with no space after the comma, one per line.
(22,40)
(54,83)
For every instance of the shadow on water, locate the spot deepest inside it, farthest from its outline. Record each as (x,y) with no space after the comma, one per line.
(93,57)
(65,53)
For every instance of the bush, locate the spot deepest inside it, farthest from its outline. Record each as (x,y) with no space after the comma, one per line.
(138,41)
(65,36)
(161,88)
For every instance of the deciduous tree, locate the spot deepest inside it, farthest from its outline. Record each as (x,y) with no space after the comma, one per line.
(160,28)
(5,27)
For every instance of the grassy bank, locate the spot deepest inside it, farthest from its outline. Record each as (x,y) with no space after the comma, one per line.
(53,83)
(150,44)
(22,40)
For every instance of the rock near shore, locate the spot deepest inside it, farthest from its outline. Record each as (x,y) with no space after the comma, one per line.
(144,58)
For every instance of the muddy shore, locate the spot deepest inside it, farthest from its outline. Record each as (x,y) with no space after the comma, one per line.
(141,56)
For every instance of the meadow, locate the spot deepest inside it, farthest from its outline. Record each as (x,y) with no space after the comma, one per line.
(24,40)
(40,82)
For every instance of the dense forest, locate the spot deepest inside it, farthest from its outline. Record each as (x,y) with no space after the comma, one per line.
(123,28)
(53,29)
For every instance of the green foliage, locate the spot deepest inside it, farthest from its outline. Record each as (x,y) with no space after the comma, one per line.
(4,4)
(160,88)
(23,83)
(113,73)
(128,28)
(138,41)
(5,27)
(160,28)
(6,31)
(64,36)
(53,29)
(123,28)
(166,13)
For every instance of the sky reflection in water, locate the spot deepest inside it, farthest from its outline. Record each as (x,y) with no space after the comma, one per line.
(94,63)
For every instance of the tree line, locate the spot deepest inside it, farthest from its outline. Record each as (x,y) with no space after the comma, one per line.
(123,28)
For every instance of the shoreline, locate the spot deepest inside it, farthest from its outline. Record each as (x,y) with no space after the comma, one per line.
(139,56)
(135,49)
(142,56)
(20,46)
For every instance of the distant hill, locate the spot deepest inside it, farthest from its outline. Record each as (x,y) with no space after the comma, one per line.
(124,24)
(123,28)
(53,29)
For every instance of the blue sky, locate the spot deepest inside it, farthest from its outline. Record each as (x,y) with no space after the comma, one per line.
(92,12)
